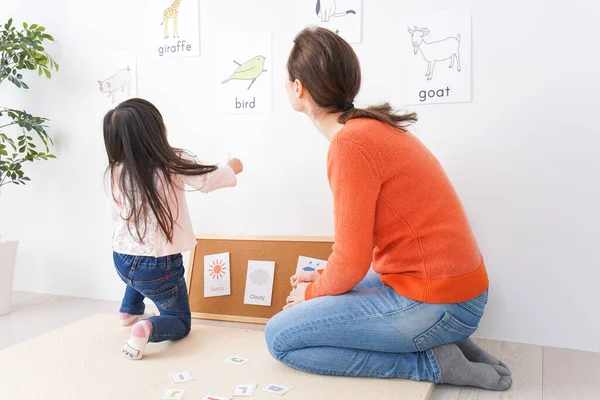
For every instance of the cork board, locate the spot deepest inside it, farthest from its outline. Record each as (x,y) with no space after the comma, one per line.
(284,250)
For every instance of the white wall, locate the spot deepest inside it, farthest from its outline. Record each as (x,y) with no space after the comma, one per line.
(522,154)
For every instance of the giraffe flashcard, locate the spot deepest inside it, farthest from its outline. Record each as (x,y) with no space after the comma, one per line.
(217,275)
(174,28)
(343,17)
(243,72)
(435,56)
(114,77)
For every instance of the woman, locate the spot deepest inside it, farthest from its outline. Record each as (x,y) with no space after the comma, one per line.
(394,208)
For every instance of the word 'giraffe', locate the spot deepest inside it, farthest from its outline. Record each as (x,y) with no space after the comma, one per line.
(171,12)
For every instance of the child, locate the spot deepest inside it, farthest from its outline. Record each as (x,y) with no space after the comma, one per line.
(152,222)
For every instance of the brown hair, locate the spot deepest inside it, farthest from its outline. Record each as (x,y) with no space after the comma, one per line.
(329,69)
(135,139)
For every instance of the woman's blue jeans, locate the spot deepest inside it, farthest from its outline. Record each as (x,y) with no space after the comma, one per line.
(370,331)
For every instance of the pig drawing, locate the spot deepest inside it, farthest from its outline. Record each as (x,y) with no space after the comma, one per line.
(120,80)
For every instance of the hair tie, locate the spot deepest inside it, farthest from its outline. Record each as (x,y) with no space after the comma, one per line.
(348,106)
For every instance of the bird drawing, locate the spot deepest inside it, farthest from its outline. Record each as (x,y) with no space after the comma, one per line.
(250,70)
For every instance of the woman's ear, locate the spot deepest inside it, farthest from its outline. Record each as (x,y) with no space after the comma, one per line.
(298,89)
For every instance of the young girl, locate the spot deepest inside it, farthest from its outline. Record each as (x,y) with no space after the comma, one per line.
(152,222)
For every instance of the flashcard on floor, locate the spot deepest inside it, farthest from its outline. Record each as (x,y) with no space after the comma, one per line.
(276,389)
(259,283)
(244,390)
(178,377)
(217,281)
(236,360)
(172,394)
(210,397)
(307,264)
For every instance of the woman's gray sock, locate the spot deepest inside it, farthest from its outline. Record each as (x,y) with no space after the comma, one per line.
(457,370)
(475,353)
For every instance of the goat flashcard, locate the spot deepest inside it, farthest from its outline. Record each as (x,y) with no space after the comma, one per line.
(259,283)
(343,17)
(174,28)
(242,77)
(217,275)
(436,57)
(115,77)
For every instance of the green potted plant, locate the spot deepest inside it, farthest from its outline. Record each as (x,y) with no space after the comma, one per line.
(23,137)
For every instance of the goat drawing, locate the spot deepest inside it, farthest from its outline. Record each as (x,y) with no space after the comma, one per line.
(441,50)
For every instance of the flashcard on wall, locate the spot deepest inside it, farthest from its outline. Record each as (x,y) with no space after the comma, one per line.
(435,49)
(243,72)
(343,17)
(259,283)
(174,28)
(115,78)
(217,275)
(308,264)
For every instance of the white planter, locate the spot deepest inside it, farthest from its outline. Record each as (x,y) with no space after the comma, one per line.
(8,258)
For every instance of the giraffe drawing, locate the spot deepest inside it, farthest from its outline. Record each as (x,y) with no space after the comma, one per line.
(171,12)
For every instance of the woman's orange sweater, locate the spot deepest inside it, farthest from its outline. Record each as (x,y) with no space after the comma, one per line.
(395,208)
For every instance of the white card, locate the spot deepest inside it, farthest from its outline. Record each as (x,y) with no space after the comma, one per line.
(307,264)
(172,394)
(246,390)
(434,49)
(211,397)
(276,389)
(343,17)
(236,360)
(178,377)
(173,28)
(217,275)
(259,283)
(113,78)
(243,74)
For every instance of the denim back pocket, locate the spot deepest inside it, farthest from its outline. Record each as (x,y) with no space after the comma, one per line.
(447,330)
(163,297)
(477,305)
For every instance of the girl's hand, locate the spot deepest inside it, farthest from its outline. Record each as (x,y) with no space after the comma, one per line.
(296,295)
(308,276)
(236,165)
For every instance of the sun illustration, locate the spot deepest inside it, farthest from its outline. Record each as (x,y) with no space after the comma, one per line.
(217,269)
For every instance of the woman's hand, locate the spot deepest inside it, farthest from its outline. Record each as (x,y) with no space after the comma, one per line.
(236,165)
(296,295)
(307,276)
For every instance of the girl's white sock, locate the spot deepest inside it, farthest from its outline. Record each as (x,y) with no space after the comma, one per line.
(140,334)
(127,320)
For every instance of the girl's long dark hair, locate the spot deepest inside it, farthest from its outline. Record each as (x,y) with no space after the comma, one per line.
(136,141)
(329,69)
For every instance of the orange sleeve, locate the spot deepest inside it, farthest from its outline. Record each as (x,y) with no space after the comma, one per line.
(355,186)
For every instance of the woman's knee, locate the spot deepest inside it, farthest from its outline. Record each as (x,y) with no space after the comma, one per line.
(274,336)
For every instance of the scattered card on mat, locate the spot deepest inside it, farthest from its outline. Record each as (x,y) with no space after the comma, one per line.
(209,397)
(172,394)
(236,360)
(178,377)
(246,390)
(276,389)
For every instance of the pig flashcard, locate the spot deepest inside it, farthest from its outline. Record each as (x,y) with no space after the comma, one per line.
(115,77)
(259,283)
(217,275)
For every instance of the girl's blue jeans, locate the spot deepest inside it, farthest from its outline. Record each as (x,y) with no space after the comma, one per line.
(370,331)
(160,279)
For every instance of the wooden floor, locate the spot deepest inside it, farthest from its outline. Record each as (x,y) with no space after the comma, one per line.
(538,372)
